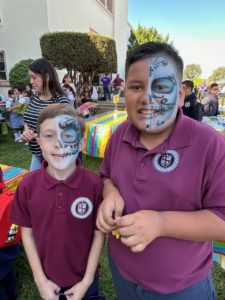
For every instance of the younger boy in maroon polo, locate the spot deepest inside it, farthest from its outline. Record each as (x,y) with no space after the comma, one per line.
(57,206)
(164,187)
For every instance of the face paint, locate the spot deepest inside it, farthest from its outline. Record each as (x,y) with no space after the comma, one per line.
(163,93)
(68,140)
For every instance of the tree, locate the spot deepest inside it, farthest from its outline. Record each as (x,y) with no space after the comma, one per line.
(192,71)
(132,41)
(143,35)
(84,52)
(218,75)
(18,75)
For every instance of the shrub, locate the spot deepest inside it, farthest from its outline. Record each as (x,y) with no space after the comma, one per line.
(83,52)
(18,75)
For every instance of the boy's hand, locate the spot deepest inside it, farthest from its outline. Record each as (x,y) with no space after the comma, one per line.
(48,290)
(78,291)
(139,229)
(111,208)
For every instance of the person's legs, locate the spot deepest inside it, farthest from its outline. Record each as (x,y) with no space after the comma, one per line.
(105,93)
(8,255)
(202,290)
(108,93)
(35,163)
(10,286)
(124,288)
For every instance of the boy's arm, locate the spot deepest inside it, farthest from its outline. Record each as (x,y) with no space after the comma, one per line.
(46,287)
(111,207)
(79,289)
(142,227)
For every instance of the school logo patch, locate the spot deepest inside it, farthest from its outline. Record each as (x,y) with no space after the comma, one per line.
(81,208)
(166,162)
(187,104)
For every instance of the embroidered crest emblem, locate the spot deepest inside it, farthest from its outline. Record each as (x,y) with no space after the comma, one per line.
(187,104)
(166,162)
(81,208)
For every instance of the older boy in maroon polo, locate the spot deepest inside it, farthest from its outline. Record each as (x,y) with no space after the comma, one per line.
(56,207)
(164,187)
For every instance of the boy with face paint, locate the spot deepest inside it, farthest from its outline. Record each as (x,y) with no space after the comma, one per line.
(56,207)
(163,187)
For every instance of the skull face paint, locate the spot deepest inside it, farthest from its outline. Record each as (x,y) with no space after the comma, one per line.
(68,138)
(162,93)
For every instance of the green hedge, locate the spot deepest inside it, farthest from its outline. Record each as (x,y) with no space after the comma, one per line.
(18,75)
(83,52)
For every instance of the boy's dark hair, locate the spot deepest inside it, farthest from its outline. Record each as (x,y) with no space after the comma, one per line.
(188,83)
(48,73)
(150,49)
(54,110)
(10,92)
(214,84)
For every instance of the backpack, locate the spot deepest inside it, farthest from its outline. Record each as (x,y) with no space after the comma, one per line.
(210,106)
(198,111)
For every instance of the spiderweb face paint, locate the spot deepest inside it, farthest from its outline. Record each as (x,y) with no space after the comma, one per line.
(68,140)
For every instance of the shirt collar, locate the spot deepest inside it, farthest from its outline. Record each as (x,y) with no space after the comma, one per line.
(180,137)
(72,182)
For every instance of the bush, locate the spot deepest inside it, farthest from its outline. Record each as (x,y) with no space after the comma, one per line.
(83,52)
(18,75)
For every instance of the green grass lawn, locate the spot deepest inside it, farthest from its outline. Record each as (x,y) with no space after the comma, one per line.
(17,154)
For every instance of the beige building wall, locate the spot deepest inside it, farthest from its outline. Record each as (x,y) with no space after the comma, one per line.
(24,21)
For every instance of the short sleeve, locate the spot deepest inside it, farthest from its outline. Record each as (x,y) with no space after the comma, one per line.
(8,104)
(19,213)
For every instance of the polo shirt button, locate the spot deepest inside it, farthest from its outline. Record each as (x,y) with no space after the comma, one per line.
(60,194)
(142,165)
(59,206)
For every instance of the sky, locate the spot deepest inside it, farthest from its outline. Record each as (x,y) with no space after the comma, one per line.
(196,27)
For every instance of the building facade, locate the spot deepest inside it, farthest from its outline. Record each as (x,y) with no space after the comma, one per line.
(22,22)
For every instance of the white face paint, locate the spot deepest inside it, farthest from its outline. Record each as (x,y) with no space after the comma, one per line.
(163,93)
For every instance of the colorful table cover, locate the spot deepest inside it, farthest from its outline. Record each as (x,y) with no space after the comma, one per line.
(12,176)
(213,122)
(99,129)
(219,252)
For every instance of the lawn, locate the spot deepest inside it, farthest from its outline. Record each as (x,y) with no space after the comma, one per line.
(17,154)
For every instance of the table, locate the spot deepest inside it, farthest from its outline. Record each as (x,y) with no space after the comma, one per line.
(99,128)
(213,122)
(12,176)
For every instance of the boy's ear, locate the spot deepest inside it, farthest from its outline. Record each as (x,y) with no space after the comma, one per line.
(182,91)
(83,143)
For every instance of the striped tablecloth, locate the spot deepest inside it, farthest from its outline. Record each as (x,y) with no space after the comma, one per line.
(12,176)
(99,129)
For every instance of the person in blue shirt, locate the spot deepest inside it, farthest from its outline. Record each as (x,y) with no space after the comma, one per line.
(106,82)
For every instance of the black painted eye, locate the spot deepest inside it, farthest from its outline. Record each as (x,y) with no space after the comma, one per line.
(164,85)
(69,135)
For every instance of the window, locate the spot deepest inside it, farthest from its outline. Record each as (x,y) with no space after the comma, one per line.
(108,5)
(2,66)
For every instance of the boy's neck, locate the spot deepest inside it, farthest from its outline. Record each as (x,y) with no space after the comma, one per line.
(62,174)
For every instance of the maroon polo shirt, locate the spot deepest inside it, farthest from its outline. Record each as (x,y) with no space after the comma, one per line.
(184,173)
(62,215)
